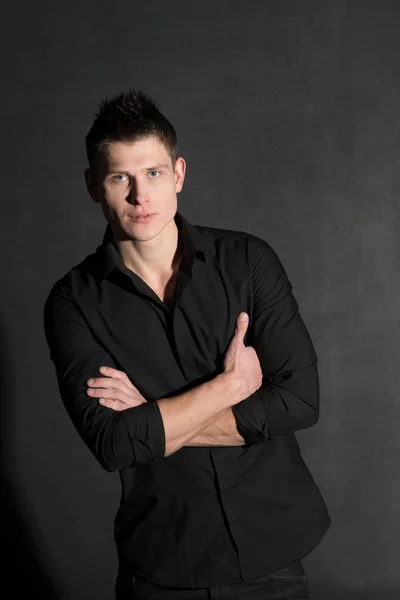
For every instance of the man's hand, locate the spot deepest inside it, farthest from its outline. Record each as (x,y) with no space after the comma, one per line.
(115,390)
(242,362)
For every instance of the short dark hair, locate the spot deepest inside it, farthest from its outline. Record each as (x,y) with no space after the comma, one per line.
(129,117)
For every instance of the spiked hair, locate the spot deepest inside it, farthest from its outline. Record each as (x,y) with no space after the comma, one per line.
(129,117)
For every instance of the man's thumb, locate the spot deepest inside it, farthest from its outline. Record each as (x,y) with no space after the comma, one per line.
(241,326)
(243,316)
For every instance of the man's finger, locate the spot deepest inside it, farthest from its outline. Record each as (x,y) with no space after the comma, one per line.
(113,404)
(110,372)
(108,393)
(116,404)
(107,383)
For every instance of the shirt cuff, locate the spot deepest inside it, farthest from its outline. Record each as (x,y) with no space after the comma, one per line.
(146,431)
(251,420)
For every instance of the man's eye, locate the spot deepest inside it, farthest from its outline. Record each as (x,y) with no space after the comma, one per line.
(154,174)
(119,177)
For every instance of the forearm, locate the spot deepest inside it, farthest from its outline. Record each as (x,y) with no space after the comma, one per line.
(250,415)
(221,432)
(188,414)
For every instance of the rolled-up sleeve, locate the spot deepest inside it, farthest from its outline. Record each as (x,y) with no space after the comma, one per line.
(117,439)
(288,399)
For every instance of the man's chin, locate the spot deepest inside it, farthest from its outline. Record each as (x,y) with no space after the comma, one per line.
(131,230)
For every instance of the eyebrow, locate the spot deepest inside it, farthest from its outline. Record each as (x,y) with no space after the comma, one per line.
(153,168)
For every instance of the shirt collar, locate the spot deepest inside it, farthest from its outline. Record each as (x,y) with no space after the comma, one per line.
(193,241)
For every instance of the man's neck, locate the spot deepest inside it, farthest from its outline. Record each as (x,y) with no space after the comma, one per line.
(158,270)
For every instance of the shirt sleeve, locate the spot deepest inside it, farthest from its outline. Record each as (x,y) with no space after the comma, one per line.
(288,399)
(118,439)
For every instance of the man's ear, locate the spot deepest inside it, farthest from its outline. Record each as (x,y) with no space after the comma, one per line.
(90,184)
(180,170)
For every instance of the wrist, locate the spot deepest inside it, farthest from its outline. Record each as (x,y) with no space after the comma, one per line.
(231,387)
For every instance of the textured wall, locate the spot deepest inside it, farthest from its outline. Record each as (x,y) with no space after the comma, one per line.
(288,116)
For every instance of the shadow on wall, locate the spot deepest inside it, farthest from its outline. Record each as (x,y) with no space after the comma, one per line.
(21,570)
(326,590)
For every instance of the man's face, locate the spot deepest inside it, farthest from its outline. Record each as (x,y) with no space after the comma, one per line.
(137,178)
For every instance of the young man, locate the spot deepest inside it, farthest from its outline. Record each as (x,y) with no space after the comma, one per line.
(149,350)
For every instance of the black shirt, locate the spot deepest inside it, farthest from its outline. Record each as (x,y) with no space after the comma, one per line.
(201,516)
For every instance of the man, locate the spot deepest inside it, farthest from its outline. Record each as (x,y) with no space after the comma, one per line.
(154,372)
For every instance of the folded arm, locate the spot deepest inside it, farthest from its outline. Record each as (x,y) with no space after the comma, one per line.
(288,400)
(222,432)
(142,432)
(117,439)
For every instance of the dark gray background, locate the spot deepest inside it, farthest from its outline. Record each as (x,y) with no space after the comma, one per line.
(287,113)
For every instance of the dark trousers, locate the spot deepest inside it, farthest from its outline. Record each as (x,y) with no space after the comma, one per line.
(288,583)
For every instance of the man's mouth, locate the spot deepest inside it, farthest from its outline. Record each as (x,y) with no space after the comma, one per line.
(142,216)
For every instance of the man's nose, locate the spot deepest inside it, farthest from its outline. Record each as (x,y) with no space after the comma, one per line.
(137,192)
